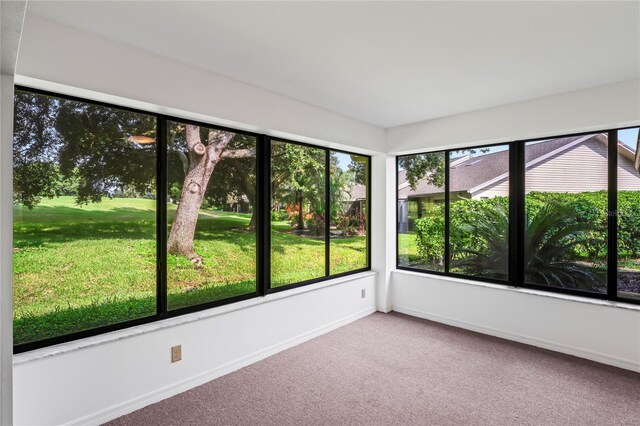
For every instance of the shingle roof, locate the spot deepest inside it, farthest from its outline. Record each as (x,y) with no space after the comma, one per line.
(359,192)
(479,169)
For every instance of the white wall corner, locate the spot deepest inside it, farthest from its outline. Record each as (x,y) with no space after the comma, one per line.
(60,57)
(11,21)
(383,238)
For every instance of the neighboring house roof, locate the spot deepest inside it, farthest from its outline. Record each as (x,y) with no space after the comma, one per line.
(356,192)
(474,173)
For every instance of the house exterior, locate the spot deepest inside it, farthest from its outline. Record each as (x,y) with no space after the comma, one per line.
(355,201)
(573,164)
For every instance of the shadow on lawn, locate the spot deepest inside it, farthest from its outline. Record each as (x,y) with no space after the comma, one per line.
(59,224)
(36,235)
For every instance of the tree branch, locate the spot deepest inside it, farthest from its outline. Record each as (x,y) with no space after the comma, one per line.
(185,160)
(239,153)
(217,142)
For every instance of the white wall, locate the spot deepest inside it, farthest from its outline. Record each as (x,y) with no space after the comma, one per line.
(586,328)
(97,383)
(603,332)
(11,19)
(605,107)
(86,383)
(59,54)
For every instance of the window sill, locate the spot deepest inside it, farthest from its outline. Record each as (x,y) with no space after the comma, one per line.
(578,299)
(126,333)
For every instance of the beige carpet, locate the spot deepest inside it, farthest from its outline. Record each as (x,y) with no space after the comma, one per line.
(392,369)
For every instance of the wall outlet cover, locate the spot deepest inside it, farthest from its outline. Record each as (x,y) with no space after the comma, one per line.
(176,353)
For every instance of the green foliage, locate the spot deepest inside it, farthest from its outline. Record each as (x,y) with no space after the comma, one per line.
(588,207)
(71,147)
(429,232)
(629,224)
(347,216)
(78,267)
(421,166)
(566,236)
(358,167)
(297,172)
(550,248)
(481,239)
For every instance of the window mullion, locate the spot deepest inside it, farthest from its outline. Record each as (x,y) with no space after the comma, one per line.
(612,216)
(161,213)
(447,210)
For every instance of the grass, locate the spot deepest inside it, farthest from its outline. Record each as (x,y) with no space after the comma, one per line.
(77,268)
(409,255)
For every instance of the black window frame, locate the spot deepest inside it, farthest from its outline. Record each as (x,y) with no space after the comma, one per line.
(327,224)
(263,223)
(517,218)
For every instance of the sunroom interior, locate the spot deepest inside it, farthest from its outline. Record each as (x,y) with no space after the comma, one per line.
(192,189)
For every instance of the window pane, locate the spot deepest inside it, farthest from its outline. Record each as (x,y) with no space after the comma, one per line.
(628,214)
(421,211)
(349,208)
(479,212)
(84,216)
(566,212)
(297,213)
(211,215)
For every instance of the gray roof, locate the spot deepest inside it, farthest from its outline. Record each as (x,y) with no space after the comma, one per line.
(476,170)
(358,192)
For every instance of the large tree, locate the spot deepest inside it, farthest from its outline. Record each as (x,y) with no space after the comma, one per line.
(56,141)
(200,151)
(65,146)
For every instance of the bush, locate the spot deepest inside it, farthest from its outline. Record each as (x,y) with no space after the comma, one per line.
(279,216)
(589,207)
(430,235)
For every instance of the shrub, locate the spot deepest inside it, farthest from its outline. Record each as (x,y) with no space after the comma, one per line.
(590,208)
(430,235)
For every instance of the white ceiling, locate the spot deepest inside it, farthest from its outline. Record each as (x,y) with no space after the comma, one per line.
(387,63)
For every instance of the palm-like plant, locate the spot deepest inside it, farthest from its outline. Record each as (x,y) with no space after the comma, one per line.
(551,235)
(489,227)
(549,247)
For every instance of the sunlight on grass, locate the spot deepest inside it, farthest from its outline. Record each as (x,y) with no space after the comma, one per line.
(81,267)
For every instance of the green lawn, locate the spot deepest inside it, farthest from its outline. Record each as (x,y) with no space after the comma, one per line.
(409,255)
(81,267)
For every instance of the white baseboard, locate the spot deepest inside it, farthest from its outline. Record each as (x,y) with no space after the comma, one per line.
(137,403)
(521,338)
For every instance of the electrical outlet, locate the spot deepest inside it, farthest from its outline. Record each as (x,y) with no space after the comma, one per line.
(176,353)
(363,293)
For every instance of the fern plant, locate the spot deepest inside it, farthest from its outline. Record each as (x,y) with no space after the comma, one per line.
(550,258)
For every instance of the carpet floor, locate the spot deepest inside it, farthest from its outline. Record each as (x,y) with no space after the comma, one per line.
(393,369)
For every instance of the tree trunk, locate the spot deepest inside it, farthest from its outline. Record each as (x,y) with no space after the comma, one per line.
(202,162)
(184,224)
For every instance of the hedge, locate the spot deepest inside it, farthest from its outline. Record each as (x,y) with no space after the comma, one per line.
(590,207)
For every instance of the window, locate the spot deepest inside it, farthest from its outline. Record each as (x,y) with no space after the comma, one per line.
(84,216)
(298,210)
(566,213)
(628,232)
(211,214)
(349,183)
(421,211)
(122,217)
(558,214)
(479,212)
